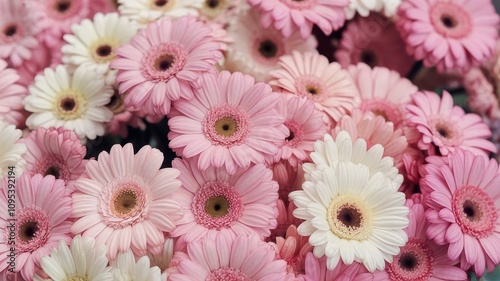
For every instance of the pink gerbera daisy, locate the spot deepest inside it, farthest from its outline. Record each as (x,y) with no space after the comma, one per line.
(162,63)
(311,75)
(57,152)
(125,201)
(383,92)
(374,129)
(55,17)
(231,122)
(293,249)
(227,258)
(444,127)
(40,217)
(450,34)
(291,15)
(305,125)
(420,259)
(316,270)
(216,202)
(11,96)
(17,36)
(463,199)
(374,40)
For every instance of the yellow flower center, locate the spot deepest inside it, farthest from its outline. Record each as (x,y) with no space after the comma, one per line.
(103,50)
(70,105)
(350,218)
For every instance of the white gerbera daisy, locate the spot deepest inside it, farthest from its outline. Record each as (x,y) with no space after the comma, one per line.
(125,268)
(82,261)
(75,101)
(146,11)
(256,50)
(352,215)
(11,151)
(364,7)
(329,152)
(93,43)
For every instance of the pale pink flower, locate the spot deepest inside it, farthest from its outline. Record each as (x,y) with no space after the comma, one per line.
(293,249)
(285,219)
(449,34)
(291,15)
(444,127)
(374,130)
(383,91)
(305,126)
(57,152)
(374,40)
(316,270)
(256,50)
(163,62)
(288,177)
(17,38)
(55,17)
(312,76)
(42,58)
(227,258)
(41,214)
(232,121)
(11,96)
(463,199)
(420,259)
(481,96)
(125,201)
(215,201)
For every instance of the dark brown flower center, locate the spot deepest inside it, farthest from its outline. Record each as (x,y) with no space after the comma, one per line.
(54,171)
(164,62)
(449,21)
(472,210)
(226,126)
(125,201)
(291,136)
(104,51)
(350,216)
(408,261)
(68,104)
(268,49)
(217,206)
(10,30)
(212,3)
(161,3)
(116,103)
(28,230)
(62,6)
(369,57)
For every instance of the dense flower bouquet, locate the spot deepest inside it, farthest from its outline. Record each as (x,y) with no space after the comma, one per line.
(249,140)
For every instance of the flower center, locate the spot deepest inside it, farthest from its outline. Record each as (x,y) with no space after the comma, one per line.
(296,134)
(76,277)
(227,274)
(414,262)
(124,202)
(103,50)
(70,105)
(116,104)
(369,57)
(226,125)
(62,6)
(474,211)
(163,61)
(212,3)
(310,87)
(450,20)
(349,217)
(27,231)
(214,8)
(268,49)
(33,229)
(163,5)
(217,205)
(381,107)
(53,170)
(10,30)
